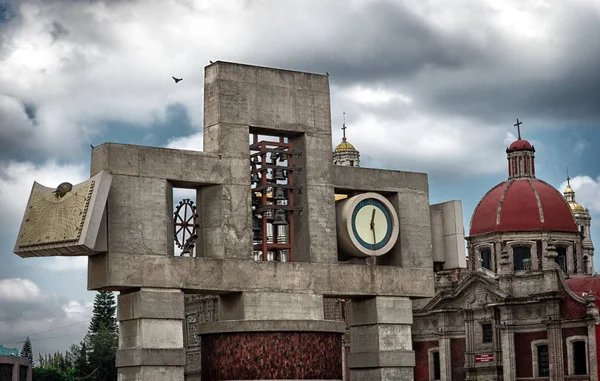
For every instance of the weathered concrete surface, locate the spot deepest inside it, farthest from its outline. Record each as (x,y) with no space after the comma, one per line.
(122,270)
(271,306)
(381,346)
(448,234)
(151,340)
(227,326)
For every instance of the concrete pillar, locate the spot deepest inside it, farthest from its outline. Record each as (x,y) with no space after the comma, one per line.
(555,351)
(151,335)
(508,354)
(15,372)
(381,343)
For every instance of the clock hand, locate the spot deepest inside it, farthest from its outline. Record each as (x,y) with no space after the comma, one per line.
(373,227)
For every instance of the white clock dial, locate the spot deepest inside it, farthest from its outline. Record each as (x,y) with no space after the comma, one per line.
(371,224)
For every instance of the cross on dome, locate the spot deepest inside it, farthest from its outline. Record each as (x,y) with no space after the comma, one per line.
(518,125)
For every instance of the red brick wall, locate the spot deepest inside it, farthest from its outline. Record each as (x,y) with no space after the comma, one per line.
(523,359)
(458,347)
(272,355)
(570,309)
(421,349)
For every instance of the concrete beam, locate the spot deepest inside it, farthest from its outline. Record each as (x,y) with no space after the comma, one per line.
(378,180)
(211,275)
(182,167)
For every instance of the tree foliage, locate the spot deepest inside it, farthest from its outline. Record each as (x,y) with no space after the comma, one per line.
(27,351)
(104,312)
(93,359)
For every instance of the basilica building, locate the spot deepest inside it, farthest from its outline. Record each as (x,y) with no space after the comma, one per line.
(525,306)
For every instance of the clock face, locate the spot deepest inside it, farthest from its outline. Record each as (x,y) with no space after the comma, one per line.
(372,224)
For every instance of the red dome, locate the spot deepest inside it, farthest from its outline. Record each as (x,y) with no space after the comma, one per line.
(519,145)
(522,205)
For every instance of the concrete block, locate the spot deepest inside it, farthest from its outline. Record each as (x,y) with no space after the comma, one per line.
(150,357)
(382,374)
(322,232)
(186,166)
(150,373)
(381,310)
(138,216)
(378,180)
(151,303)
(415,229)
(151,333)
(230,140)
(382,337)
(381,359)
(271,306)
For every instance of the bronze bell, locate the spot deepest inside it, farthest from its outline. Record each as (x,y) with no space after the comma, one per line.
(279,217)
(254,160)
(282,156)
(279,174)
(279,194)
(255,200)
(255,177)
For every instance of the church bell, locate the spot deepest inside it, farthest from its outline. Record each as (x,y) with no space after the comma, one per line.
(279,174)
(256,228)
(255,178)
(279,194)
(279,217)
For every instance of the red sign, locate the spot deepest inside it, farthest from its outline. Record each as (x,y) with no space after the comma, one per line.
(484,358)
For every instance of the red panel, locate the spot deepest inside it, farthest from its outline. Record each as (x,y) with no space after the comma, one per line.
(458,347)
(523,358)
(570,309)
(421,349)
(557,214)
(272,356)
(520,209)
(484,217)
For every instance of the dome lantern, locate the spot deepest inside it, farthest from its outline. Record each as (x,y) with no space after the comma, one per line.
(345,154)
(521,158)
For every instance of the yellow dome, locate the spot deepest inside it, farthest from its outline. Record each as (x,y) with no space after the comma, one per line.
(569,189)
(575,207)
(344,146)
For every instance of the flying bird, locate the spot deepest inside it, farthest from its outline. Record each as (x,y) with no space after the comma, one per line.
(327,73)
(177,79)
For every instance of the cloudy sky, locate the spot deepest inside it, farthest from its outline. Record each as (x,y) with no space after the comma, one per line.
(427,85)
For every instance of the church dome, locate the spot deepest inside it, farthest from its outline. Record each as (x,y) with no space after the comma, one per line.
(526,204)
(344,146)
(570,195)
(520,145)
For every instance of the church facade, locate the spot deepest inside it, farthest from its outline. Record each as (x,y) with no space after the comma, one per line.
(520,310)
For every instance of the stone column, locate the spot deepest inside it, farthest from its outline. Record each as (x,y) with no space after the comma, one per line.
(445,358)
(508,354)
(271,336)
(555,351)
(381,343)
(592,351)
(151,335)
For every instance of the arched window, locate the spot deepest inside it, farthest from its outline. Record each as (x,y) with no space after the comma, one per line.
(561,258)
(486,259)
(522,258)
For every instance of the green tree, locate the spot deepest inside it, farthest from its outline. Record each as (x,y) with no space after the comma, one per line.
(27,351)
(104,312)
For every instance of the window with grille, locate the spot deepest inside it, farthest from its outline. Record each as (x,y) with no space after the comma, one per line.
(488,333)
(23,372)
(522,258)
(543,361)
(6,372)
